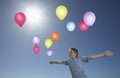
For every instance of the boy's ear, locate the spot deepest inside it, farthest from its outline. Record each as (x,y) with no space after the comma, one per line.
(76,54)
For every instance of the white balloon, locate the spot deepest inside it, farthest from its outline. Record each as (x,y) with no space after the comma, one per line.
(70,26)
(89,18)
(49,52)
(36,40)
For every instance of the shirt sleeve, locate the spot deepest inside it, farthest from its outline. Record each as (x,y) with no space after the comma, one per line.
(65,62)
(84,58)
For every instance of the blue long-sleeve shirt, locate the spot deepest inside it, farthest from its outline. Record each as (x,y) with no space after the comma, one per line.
(75,66)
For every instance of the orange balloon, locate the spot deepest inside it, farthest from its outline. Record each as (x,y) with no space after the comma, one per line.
(55,36)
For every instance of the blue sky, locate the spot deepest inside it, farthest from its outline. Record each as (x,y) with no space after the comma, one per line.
(17,59)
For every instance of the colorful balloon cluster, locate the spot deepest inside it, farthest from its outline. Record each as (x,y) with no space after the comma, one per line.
(61,13)
(88,20)
(49,41)
(36,41)
(54,37)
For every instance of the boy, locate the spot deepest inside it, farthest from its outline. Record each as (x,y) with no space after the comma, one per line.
(75,62)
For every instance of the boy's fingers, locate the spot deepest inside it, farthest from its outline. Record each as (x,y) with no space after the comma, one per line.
(51,62)
(109,53)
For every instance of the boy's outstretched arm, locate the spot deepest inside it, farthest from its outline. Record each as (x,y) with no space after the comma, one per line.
(104,54)
(56,62)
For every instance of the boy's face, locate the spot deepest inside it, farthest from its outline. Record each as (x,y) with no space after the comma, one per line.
(72,54)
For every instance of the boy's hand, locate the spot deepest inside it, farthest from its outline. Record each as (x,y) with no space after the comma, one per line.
(51,62)
(108,53)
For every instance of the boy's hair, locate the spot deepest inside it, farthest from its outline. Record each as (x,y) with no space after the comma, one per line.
(75,50)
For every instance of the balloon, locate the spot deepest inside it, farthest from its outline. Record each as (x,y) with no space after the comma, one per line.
(48,43)
(83,27)
(49,52)
(20,18)
(36,49)
(55,36)
(89,18)
(61,12)
(70,26)
(36,39)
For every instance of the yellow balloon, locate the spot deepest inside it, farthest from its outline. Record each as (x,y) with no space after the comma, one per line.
(48,43)
(61,12)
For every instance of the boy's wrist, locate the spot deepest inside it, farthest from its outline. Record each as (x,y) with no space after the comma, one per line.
(104,54)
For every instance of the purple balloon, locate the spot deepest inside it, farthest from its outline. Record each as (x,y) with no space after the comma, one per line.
(49,52)
(89,18)
(36,40)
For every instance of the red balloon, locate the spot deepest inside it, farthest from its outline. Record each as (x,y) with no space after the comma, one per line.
(55,36)
(36,49)
(20,18)
(83,27)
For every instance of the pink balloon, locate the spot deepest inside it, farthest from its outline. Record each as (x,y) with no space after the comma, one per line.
(36,49)
(20,18)
(83,27)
